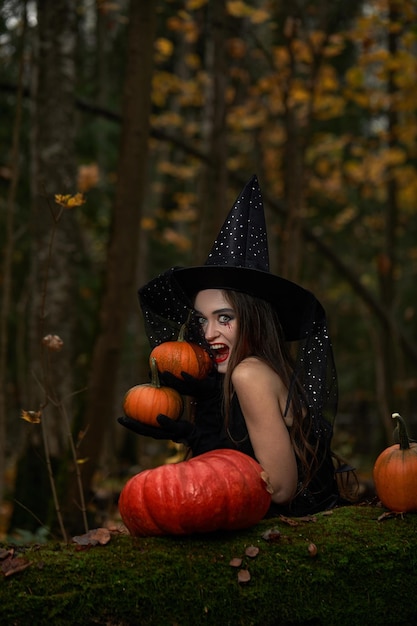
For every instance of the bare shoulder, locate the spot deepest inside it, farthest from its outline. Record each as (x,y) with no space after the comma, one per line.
(252,371)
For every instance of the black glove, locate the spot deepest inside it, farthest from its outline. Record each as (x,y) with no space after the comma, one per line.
(178,431)
(190,386)
(198,439)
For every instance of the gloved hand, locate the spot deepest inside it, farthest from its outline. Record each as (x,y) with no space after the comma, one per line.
(190,386)
(198,439)
(179,431)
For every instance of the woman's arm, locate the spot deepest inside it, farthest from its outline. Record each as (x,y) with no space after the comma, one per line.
(262,398)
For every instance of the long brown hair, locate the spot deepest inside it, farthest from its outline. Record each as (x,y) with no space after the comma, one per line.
(260,335)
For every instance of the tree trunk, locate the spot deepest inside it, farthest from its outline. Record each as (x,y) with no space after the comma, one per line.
(54,245)
(7,254)
(387,259)
(120,283)
(213,200)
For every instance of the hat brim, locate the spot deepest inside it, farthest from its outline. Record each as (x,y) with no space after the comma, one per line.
(297,307)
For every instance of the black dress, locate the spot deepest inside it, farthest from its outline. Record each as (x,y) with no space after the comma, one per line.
(320,494)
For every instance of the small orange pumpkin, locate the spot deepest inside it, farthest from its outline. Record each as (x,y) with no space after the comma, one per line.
(395,472)
(145,402)
(181,356)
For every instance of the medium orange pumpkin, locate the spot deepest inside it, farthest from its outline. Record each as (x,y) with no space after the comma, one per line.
(218,490)
(182,356)
(145,402)
(395,472)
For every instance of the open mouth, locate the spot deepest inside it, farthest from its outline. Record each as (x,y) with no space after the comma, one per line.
(220,352)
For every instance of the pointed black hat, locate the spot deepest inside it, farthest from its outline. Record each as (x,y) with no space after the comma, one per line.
(239,260)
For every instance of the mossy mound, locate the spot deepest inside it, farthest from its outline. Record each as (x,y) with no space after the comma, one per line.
(364,572)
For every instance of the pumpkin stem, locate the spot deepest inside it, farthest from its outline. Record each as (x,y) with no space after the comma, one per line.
(154,374)
(181,334)
(400,432)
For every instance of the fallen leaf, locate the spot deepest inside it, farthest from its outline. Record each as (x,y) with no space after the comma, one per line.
(5,553)
(243,576)
(252,551)
(272,534)
(13,565)
(288,520)
(296,522)
(307,518)
(99,536)
(389,514)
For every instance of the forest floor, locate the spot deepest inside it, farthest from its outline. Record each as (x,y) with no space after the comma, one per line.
(353,565)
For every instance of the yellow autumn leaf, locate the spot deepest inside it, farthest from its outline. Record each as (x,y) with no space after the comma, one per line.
(302,52)
(376,56)
(354,171)
(237,8)
(193,61)
(335,47)
(164,46)
(193,5)
(323,166)
(147,223)
(328,79)
(300,94)
(360,98)
(345,217)
(33,417)
(407,195)
(281,56)
(68,201)
(328,107)
(259,16)
(176,239)
(355,77)
(394,156)
(316,39)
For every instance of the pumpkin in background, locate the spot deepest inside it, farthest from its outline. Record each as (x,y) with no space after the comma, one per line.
(218,490)
(395,472)
(181,356)
(145,402)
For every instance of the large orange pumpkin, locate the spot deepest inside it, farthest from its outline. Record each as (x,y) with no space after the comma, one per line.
(222,489)
(145,402)
(395,472)
(182,356)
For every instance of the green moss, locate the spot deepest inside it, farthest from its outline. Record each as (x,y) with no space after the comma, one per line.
(365,572)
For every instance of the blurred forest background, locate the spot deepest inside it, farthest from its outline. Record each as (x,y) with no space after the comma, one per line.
(158,112)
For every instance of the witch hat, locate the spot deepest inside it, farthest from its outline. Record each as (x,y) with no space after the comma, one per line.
(239,260)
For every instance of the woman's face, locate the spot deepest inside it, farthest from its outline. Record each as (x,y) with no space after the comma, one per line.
(218,323)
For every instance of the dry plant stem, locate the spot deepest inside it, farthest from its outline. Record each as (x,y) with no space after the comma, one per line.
(77,467)
(52,480)
(61,408)
(45,381)
(49,394)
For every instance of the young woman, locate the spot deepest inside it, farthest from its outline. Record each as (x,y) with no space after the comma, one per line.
(259,399)
(257,377)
